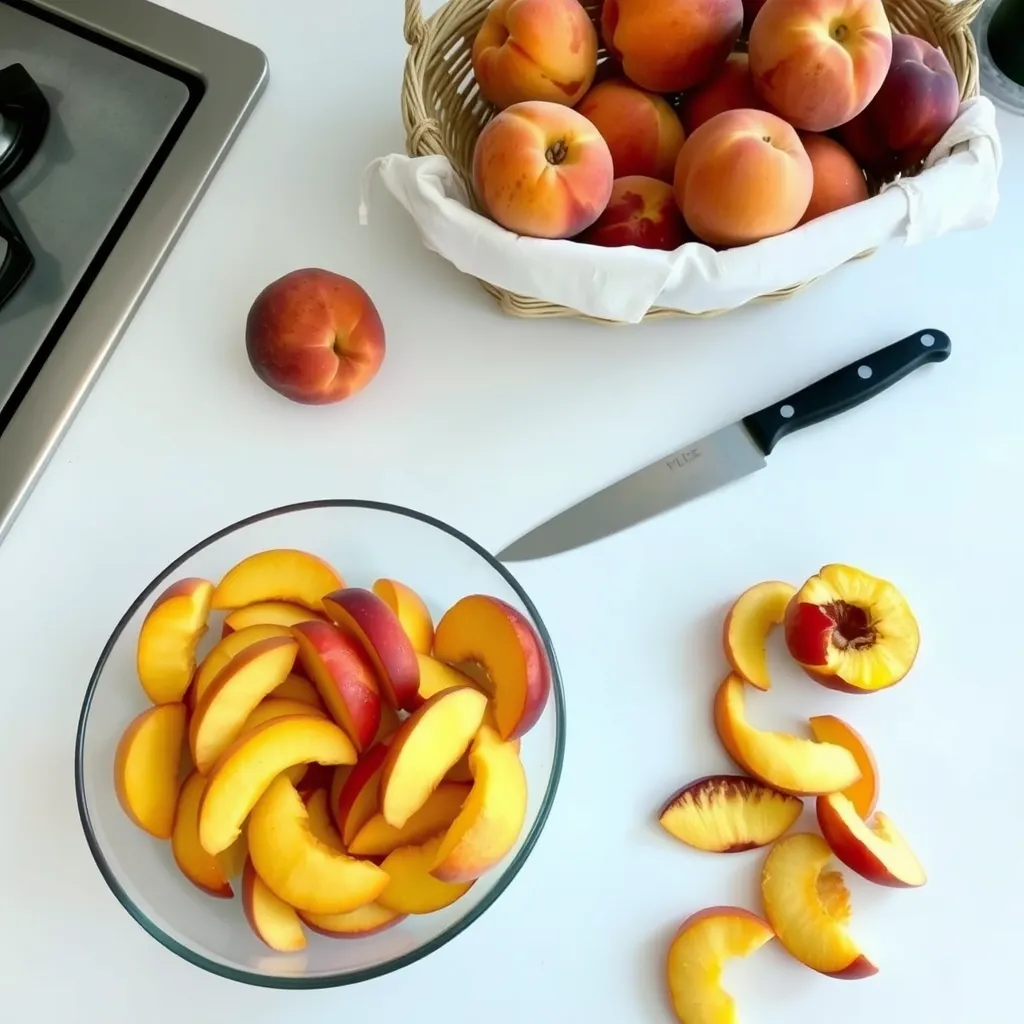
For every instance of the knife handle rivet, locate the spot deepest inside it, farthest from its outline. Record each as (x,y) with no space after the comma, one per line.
(787,412)
(927,340)
(864,372)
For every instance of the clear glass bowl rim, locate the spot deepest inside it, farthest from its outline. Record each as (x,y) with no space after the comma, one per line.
(508,873)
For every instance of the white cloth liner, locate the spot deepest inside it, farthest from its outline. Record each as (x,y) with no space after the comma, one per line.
(958,189)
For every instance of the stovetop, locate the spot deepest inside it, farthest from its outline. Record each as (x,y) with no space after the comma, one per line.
(114,114)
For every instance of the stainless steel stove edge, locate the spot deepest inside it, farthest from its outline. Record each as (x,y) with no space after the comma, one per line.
(235,74)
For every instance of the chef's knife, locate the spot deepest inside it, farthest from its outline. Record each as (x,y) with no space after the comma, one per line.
(726,455)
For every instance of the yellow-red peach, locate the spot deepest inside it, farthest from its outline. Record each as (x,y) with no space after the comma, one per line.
(535,50)
(819,63)
(670,45)
(731,88)
(643,212)
(838,178)
(743,176)
(543,170)
(641,128)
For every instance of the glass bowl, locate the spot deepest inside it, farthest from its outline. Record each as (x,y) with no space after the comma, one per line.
(364,540)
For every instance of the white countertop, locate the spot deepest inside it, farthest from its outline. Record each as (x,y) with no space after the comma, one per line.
(494,423)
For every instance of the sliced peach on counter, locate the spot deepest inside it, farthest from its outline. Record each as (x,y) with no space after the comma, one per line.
(491,634)
(147,768)
(411,610)
(252,762)
(809,907)
(239,687)
(851,631)
(321,823)
(492,817)
(729,813)
(358,799)
(232,860)
(863,793)
(273,921)
(298,688)
(875,849)
(166,654)
(366,920)
(411,888)
(344,677)
(367,617)
(297,866)
(436,676)
(376,838)
(426,745)
(281,574)
(200,868)
(262,613)
(794,765)
(225,649)
(705,942)
(751,618)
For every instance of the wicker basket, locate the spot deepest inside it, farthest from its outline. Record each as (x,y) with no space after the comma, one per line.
(443,111)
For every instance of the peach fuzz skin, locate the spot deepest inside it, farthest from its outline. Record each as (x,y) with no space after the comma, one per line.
(732,88)
(535,50)
(670,45)
(838,179)
(315,337)
(641,129)
(742,176)
(643,212)
(820,62)
(542,170)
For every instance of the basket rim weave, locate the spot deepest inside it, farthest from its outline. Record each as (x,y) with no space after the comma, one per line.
(433,71)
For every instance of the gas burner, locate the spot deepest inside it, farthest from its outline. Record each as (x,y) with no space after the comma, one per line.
(1001,22)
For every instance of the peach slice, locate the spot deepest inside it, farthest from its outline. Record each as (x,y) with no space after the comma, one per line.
(389,722)
(436,676)
(492,634)
(224,650)
(874,849)
(492,816)
(339,776)
(234,694)
(729,813)
(702,946)
(166,655)
(298,688)
(750,620)
(377,838)
(271,708)
(147,768)
(366,920)
(297,866)
(272,920)
(367,617)
(411,610)
(321,824)
(252,762)
(790,763)
(281,574)
(851,631)
(809,907)
(863,793)
(411,888)
(202,870)
(426,745)
(262,613)
(232,860)
(358,800)
(344,677)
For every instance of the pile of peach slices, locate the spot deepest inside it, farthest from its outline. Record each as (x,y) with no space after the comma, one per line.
(849,631)
(352,763)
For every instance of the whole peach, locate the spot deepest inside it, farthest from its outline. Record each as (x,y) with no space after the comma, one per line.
(641,128)
(535,50)
(838,178)
(670,45)
(731,88)
(818,63)
(542,169)
(314,336)
(642,211)
(742,176)
(917,103)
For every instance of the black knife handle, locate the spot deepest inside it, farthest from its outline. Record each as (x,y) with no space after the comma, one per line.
(846,388)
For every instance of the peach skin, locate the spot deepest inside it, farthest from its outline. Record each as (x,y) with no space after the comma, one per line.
(730,88)
(203,871)
(641,212)
(819,63)
(641,128)
(174,625)
(741,177)
(357,799)
(535,50)
(670,45)
(365,920)
(315,337)
(838,179)
(542,170)
(411,610)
